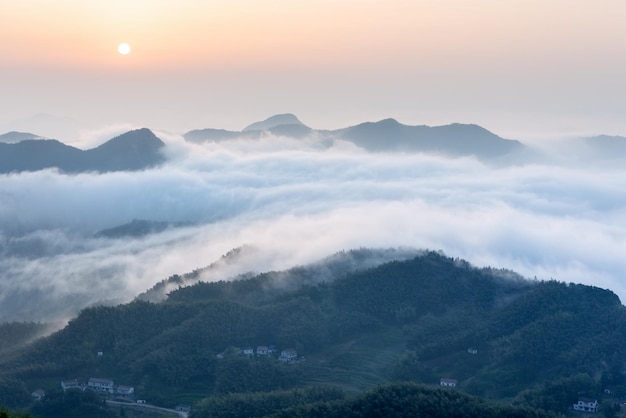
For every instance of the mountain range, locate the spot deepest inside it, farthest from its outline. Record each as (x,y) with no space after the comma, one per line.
(140,149)
(387,135)
(134,150)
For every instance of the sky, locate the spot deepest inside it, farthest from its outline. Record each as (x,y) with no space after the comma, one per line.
(520,68)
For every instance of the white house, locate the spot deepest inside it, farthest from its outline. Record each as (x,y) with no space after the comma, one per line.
(451,383)
(70,384)
(288,355)
(262,350)
(38,394)
(248,351)
(183,408)
(100,385)
(586,405)
(125,390)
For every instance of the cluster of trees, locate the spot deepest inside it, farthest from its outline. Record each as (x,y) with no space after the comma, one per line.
(395,400)
(72,403)
(5,413)
(440,305)
(260,404)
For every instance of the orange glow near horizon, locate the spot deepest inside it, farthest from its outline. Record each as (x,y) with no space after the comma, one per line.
(304,34)
(377,57)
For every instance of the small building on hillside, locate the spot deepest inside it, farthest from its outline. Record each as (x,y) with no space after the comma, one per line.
(38,394)
(183,408)
(289,355)
(248,351)
(100,385)
(586,405)
(447,382)
(262,350)
(125,391)
(70,384)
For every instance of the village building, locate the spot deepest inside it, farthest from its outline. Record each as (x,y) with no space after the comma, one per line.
(288,355)
(126,391)
(183,408)
(38,394)
(70,384)
(586,405)
(100,385)
(447,382)
(248,351)
(262,350)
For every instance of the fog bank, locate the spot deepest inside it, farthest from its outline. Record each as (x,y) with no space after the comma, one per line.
(296,202)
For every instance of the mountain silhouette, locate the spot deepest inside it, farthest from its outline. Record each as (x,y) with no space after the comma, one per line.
(387,135)
(274,121)
(216,135)
(455,139)
(133,150)
(135,228)
(606,146)
(14,137)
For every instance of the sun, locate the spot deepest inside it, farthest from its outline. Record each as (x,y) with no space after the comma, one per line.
(123,48)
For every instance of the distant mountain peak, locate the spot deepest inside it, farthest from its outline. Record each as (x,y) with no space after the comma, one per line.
(383,123)
(14,137)
(141,135)
(134,150)
(388,121)
(274,121)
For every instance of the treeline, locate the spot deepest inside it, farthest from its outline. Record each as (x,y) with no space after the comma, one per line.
(395,400)
(72,403)
(5,413)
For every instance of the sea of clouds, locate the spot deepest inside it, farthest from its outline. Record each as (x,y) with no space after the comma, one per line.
(296,202)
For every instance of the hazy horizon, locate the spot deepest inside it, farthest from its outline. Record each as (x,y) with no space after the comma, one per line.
(520,69)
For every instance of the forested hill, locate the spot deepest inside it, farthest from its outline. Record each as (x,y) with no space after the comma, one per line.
(496,335)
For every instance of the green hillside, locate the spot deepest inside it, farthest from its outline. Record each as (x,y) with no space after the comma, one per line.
(498,336)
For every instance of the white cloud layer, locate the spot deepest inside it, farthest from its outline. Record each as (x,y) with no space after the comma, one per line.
(297,203)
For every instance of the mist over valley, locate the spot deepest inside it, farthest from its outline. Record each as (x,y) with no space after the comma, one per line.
(105,223)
